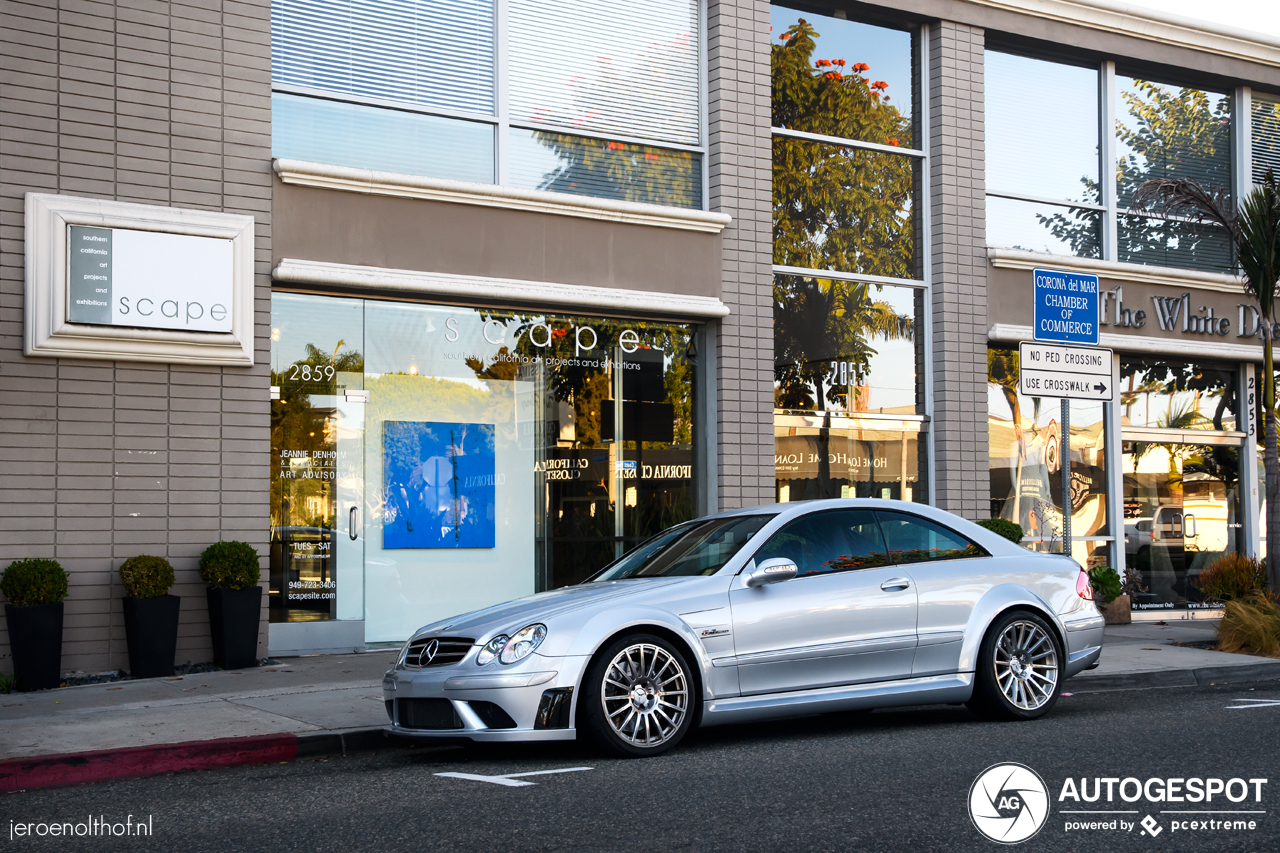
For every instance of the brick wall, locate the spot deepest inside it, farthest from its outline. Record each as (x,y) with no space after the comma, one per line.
(742,186)
(959,256)
(158,103)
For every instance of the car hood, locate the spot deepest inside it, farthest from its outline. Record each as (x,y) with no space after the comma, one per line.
(514,615)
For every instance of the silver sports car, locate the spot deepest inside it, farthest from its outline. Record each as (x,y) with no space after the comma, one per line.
(773,611)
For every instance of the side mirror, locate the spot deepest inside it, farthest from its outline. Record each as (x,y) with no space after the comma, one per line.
(775,570)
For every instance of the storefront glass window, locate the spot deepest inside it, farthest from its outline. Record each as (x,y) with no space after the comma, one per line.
(1026,459)
(847,401)
(1266,136)
(1177,395)
(462,457)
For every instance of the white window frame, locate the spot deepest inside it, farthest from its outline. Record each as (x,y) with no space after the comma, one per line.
(500,120)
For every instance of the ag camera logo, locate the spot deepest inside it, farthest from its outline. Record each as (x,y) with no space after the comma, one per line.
(1008,803)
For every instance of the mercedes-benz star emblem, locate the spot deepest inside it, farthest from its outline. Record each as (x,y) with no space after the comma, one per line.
(428,653)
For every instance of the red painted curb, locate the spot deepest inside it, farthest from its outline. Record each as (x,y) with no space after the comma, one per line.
(49,771)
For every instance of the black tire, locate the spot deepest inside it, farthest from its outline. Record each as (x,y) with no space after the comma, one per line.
(1003,671)
(667,707)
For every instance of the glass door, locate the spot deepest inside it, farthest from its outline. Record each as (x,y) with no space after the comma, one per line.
(1181,505)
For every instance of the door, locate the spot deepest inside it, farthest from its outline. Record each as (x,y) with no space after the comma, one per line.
(950,576)
(1181,500)
(849,615)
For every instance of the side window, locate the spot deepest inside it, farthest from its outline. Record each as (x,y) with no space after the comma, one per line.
(912,539)
(828,542)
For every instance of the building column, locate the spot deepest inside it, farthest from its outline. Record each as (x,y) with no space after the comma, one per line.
(958,252)
(741,185)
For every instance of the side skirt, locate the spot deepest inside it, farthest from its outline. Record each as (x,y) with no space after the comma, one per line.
(935,689)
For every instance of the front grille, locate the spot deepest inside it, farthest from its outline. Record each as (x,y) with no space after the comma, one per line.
(437,651)
(427,714)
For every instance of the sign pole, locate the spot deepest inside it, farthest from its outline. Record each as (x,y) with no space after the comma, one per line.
(1064,447)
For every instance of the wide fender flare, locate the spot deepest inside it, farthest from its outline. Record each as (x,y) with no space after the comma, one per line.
(997,600)
(600,628)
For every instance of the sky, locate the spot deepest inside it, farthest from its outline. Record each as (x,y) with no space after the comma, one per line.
(1257,15)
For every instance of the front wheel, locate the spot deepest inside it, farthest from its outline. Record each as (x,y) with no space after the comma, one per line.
(638,696)
(1019,669)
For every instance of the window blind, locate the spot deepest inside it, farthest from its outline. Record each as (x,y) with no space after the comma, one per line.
(431,53)
(1266,137)
(602,67)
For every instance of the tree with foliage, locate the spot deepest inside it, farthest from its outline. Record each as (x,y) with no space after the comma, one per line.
(1254,230)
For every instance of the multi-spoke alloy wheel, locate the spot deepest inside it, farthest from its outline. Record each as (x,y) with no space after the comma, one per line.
(1026,665)
(1019,668)
(643,696)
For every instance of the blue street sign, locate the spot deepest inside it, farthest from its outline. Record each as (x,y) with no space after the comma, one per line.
(1066,307)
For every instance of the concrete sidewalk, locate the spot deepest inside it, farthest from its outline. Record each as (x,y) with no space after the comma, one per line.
(331,703)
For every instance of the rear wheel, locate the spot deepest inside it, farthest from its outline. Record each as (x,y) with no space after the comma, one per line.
(637,696)
(1019,669)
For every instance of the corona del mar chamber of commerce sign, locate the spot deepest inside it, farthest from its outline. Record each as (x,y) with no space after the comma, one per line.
(1066,307)
(134,282)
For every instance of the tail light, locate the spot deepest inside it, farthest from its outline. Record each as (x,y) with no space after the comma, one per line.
(1083,589)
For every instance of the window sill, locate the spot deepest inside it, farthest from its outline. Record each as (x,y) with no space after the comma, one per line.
(1018,259)
(372,182)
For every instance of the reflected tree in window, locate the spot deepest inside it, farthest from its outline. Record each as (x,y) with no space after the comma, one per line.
(837,207)
(1169,132)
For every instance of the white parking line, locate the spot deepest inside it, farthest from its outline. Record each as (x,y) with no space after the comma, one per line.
(511,780)
(1254,703)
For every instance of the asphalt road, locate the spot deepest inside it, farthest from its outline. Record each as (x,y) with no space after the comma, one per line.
(891,780)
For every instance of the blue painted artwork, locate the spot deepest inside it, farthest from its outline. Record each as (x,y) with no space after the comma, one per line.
(439,481)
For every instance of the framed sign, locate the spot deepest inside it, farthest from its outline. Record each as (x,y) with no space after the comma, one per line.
(135,282)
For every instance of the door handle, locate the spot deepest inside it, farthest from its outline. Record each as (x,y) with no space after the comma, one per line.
(351,524)
(894,584)
(1189,526)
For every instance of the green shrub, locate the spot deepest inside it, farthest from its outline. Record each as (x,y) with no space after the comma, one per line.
(1009,530)
(1250,624)
(229,565)
(1232,577)
(146,577)
(1106,583)
(7,682)
(28,582)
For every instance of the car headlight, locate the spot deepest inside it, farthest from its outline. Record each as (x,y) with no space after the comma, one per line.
(522,643)
(491,649)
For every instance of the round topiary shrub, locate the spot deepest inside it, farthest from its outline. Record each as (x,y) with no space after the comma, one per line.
(30,582)
(146,577)
(1004,527)
(229,565)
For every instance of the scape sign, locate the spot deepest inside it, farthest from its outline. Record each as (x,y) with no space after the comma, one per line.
(1068,373)
(1066,307)
(149,279)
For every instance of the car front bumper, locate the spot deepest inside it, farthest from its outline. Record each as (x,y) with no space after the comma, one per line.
(536,701)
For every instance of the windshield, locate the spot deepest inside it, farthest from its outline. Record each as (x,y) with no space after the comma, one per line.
(697,548)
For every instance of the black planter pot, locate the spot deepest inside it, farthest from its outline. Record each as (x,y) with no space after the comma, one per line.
(233,621)
(35,636)
(151,626)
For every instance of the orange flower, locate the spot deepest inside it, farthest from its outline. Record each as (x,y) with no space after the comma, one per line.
(838,61)
(822,63)
(649,155)
(880,84)
(784,36)
(615,146)
(861,66)
(892,140)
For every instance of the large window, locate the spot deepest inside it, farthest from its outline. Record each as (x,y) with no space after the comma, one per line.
(579,97)
(848,290)
(432,460)
(1266,135)
(1027,449)
(1050,187)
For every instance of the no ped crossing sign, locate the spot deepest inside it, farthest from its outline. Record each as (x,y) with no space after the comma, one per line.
(1066,307)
